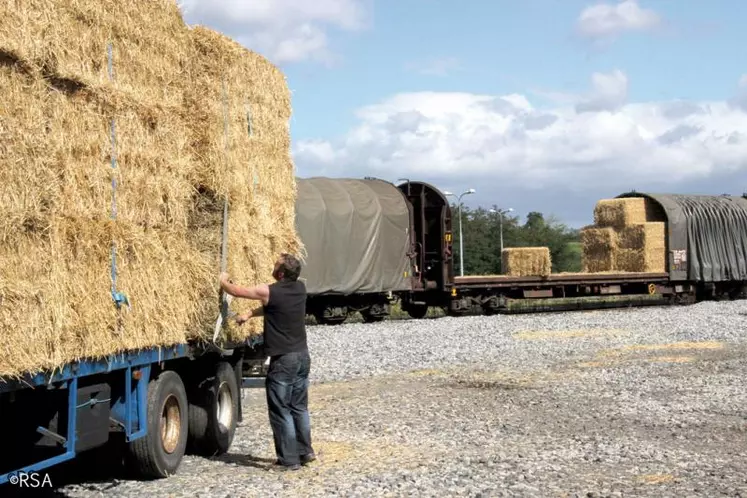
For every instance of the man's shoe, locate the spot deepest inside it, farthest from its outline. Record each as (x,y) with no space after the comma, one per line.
(283,468)
(306,459)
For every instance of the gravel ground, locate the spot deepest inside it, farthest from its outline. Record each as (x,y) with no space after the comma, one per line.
(642,402)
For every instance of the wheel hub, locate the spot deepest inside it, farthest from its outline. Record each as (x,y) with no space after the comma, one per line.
(170,424)
(224,412)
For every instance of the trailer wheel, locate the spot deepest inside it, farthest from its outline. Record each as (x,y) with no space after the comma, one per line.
(159,453)
(214,412)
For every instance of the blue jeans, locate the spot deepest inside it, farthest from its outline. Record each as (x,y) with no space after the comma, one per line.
(287,387)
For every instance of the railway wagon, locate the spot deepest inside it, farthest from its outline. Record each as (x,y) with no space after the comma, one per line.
(358,244)
(705,248)
(706,238)
(370,243)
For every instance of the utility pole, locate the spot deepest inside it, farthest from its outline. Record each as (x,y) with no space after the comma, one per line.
(500,213)
(461,244)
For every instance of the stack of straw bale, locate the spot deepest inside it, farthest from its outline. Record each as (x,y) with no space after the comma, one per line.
(526,261)
(175,165)
(627,237)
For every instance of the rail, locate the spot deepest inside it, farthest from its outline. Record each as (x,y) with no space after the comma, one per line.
(558,278)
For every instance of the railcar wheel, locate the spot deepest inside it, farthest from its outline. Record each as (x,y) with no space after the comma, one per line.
(159,453)
(417,311)
(374,313)
(333,316)
(369,318)
(738,292)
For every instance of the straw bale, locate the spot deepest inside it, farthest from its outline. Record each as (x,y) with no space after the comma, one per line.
(642,248)
(67,39)
(27,185)
(172,177)
(262,220)
(526,261)
(640,260)
(618,213)
(598,245)
(640,235)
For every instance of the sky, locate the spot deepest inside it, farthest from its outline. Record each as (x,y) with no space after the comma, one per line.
(538,105)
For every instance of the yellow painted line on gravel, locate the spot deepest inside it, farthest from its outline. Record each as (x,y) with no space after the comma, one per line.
(655,478)
(674,346)
(611,362)
(671,359)
(679,352)
(363,456)
(427,372)
(539,335)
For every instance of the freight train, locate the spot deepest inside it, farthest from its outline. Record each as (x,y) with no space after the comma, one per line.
(370,243)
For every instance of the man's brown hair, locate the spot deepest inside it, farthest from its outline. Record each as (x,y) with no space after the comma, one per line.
(291,267)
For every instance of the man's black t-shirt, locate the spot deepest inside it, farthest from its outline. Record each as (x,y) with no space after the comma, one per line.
(285,318)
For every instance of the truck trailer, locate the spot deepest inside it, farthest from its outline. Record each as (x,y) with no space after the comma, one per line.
(162,401)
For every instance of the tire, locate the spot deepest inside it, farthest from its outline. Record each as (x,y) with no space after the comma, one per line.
(151,456)
(214,412)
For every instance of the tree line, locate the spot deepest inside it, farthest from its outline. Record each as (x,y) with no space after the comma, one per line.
(481,229)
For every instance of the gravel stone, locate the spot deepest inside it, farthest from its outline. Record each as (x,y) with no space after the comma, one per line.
(641,401)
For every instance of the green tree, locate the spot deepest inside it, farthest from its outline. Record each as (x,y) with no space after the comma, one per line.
(557,237)
(482,229)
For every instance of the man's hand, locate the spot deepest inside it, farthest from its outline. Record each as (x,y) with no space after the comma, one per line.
(224,279)
(241,319)
(227,285)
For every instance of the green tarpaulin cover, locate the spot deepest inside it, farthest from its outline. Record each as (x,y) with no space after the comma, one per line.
(356,235)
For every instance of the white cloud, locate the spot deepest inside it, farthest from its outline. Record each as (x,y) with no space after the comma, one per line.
(439,66)
(282,30)
(485,138)
(610,92)
(603,20)
(740,100)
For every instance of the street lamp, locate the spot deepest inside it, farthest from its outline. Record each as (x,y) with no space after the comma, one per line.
(461,245)
(500,213)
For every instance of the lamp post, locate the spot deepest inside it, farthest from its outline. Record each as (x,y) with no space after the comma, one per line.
(500,213)
(461,243)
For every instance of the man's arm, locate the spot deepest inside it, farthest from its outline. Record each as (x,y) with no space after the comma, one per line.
(258,293)
(257,312)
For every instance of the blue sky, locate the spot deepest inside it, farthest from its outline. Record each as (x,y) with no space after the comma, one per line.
(543,105)
(500,47)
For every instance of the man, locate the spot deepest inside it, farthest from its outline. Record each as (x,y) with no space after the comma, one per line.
(287,384)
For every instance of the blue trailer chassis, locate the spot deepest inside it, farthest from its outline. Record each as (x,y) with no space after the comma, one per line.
(129,411)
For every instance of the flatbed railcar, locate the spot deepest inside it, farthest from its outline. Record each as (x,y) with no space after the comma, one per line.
(706,248)
(160,403)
